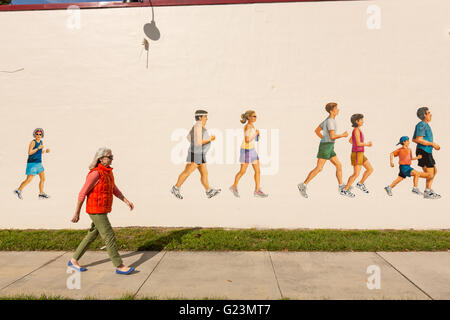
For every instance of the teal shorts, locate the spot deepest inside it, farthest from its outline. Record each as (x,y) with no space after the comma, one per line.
(34,168)
(326,150)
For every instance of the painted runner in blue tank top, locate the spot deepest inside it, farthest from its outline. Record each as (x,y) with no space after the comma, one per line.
(36,157)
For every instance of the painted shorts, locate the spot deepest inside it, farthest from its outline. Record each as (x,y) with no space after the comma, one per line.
(358,158)
(326,150)
(248,156)
(34,168)
(197,158)
(405,171)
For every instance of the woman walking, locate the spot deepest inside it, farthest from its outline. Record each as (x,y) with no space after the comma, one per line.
(358,158)
(34,164)
(248,154)
(100,189)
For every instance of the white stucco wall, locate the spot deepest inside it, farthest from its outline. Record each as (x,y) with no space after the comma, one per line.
(90,87)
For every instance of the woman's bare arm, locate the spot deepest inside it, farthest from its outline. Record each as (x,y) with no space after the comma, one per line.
(31,147)
(358,138)
(248,136)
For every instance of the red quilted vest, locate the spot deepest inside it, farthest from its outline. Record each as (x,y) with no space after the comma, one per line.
(100,199)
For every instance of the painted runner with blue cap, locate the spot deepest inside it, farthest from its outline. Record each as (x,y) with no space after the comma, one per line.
(404,154)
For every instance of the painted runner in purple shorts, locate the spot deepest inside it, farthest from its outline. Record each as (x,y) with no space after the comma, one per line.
(248,156)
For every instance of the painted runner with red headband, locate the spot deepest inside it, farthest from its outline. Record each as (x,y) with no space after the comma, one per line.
(34,164)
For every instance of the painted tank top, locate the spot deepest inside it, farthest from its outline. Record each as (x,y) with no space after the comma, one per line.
(36,157)
(203,149)
(355,147)
(251,144)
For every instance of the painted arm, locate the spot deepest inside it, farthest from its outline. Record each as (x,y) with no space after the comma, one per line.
(198,137)
(415,158)
(422,141)
(248,136)
(31,147)
(334,136)
(392,158)
(358,140)
(318,132)
(42,147)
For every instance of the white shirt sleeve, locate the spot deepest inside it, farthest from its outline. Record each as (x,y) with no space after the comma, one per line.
(331,124)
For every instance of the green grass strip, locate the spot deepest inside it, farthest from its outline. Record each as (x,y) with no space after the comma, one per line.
(199,239)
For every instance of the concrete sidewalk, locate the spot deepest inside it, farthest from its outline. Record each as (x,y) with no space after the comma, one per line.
(231,275)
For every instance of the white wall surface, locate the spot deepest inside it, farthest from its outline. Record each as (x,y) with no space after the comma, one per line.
(90,87)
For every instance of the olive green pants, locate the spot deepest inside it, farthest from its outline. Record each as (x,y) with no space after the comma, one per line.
(100,225)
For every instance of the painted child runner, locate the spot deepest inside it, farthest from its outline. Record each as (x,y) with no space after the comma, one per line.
(248,154)
(34,164)
(100,189)
(200,142)
(357,157)
(405,157)
(326,131)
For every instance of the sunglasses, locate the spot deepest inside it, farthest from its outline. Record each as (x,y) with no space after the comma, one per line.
(110,157)
(38,134)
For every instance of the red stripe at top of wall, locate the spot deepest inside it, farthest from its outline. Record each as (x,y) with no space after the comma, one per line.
(146,3)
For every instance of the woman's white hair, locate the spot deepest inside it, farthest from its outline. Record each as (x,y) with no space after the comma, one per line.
(38,130)
(101,152)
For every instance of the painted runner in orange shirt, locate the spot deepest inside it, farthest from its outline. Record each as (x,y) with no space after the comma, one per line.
(405,158)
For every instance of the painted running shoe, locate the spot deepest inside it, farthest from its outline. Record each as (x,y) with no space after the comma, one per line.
(235,191)
(302,189)
(212,192)
(341,187)
(176,192)
(260,194)
(417,191)
(18,193)
(347,193)
(388,190)
(43,196)
(431,195)
(362,187)
(438,196)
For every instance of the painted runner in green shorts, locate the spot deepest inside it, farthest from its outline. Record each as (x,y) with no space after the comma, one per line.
(326,150)
(327,132)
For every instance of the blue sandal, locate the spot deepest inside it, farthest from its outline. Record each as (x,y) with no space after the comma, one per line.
(125,272)
(70,264)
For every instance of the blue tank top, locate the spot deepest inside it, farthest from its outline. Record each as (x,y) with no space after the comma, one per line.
(36,157)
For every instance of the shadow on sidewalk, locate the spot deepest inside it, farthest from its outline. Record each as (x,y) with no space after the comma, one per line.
(150,248)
